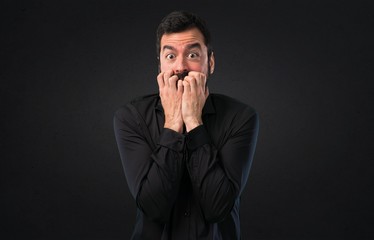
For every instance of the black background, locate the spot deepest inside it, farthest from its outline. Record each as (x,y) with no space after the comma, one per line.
(306,66)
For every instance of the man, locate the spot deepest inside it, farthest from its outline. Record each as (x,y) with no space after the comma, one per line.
(186,153)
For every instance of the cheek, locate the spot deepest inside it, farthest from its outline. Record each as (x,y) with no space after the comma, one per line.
(197,66)
(164,67)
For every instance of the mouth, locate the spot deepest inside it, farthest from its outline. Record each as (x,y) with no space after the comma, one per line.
(182,75)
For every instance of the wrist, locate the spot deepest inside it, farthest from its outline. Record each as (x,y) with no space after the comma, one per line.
(191,124)
(177,127)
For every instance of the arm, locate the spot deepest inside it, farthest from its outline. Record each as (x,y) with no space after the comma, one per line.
(152,174)
(218,177)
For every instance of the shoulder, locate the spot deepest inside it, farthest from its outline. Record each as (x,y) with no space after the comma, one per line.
(145,102)
(141,104)
(231,118)
(228,105)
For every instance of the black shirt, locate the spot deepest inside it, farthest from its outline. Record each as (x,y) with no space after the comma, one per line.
(187,186)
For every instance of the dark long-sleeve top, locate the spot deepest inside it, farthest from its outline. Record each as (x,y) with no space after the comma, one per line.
(187,186)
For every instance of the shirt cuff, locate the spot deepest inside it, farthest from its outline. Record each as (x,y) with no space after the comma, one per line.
(172,139)
(197,137)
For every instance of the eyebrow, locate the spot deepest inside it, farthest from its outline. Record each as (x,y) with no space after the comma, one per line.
(189,46)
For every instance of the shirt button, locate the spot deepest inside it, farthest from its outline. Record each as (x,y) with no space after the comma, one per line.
(186,213)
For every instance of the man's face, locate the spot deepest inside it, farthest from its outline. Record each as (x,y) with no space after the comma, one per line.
(185,51)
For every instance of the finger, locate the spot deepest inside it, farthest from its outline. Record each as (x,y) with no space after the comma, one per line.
(160,80)
(180,86)
(206,92)
(200,78)
(193,83)
(167,75)
(186,87)
(173,81)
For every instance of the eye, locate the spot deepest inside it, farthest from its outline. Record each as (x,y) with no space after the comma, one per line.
(170,56)
(193,55)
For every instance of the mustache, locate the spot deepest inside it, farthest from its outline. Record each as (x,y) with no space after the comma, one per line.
(181,75)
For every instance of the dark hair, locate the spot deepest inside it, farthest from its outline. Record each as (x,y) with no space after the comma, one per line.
(178,21)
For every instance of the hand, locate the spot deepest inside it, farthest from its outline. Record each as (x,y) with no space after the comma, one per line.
(193,100)
(171,90)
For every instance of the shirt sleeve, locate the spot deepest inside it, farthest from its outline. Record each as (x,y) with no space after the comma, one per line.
(153,175)
(219,176)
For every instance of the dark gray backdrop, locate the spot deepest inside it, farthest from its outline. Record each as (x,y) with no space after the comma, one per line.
(306,66)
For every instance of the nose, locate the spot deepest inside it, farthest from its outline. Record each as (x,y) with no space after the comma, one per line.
(180,65)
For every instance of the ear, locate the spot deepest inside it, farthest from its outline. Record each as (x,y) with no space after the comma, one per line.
(211,63)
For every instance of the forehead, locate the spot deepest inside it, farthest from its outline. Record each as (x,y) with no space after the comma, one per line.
(181,39)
